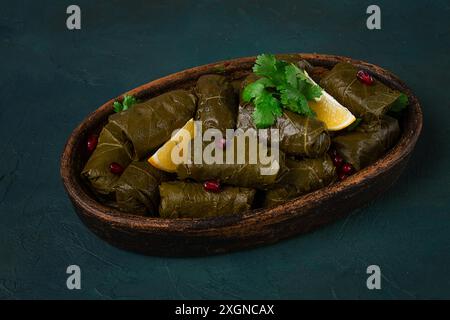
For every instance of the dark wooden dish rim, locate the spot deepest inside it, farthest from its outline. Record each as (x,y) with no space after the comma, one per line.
(236,224)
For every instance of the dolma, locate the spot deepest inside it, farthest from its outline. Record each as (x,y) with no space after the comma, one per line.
(368,142)
(151,123)
(364,101)
(299,135)
(137,189)
(217,105)
(301,177)
(240,172)
(190,200)
(112,147)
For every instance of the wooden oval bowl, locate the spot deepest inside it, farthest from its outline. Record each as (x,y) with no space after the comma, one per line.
(194,237)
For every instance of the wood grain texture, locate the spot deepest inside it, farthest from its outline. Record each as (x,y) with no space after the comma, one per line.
(193,237)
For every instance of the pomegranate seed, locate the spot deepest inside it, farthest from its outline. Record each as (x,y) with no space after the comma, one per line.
(115,168)
(347,168)
(92,142)
(342,176)
(222,143)
(365,77)
(338,161)
(212,186)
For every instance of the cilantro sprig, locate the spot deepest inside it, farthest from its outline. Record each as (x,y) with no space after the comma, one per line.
(127,103)
(281,85)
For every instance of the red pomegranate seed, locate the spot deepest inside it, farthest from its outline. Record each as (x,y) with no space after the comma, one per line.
(212,186)
(115,168)
(365,77)
(347,168)
(92,142)
(338,161)
(222,143)
(342,176)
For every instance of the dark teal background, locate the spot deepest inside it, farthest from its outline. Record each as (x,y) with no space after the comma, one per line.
(51,78)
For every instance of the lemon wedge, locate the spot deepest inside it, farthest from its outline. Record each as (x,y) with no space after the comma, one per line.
(162,159)
(330,111)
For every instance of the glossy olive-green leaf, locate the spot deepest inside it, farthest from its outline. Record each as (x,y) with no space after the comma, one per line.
(300,178)
(151,123)
(217,105)
(368,142)
(137,189)
(241,171)
(302,136)
(364,101)
(112,146)
(191,200)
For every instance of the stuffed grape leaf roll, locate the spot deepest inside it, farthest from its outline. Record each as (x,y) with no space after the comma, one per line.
(299,135)
(112,147)
(363,100)
(137,189)
(191,200)
(301,177)
(241,170)
(151,123)
(368,142)
(217,105)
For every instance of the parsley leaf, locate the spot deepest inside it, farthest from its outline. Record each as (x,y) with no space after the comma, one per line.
(312,91)
(293,100)
(127,103)
(267,109)
(254,89)
(291,73)
(399,104)
(268,66)
(117,106)
(282,85)
(265,65)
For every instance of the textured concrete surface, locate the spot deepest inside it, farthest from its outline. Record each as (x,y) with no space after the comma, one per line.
(51,78)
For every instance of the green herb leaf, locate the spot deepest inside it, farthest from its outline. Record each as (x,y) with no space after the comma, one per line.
(282,85)
(268,66)
(312,91)
(267,109)
(265,65)
(291,73)
(255,89)
(117,106)
(399,104)
(294,100)
(128,102)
